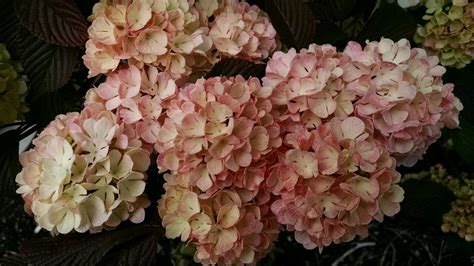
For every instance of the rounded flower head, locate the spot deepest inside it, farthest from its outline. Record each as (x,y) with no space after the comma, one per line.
(84,173)
(215,127)
(332,182)
(169,34)
(12,89)
(138,97)
(401,95)
(232,226)
(174,35)
(241,30)
(309,83)
(448,31)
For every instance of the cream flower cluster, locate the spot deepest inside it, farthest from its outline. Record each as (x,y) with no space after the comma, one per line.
(230,226)
(449,31)
(177,36)
(84,173)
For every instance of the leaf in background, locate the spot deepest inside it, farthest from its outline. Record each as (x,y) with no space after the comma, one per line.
(140,251)
(9,164)
(294,22)
(389,21)
(8,25)
(330,33)
(47,66)
(426,200)
(463,89)
(58,22)
(86,6)
(47,106)
(332,10)
(233,67)
(463,141)
(81,249)
(13,260)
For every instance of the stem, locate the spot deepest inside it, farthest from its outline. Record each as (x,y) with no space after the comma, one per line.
(352,250)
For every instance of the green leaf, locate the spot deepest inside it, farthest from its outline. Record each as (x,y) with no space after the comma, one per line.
(9,163)
(389,21)
(232,67)
(57,22)
(426,200)
(81,249)
(47,66)
(293,20)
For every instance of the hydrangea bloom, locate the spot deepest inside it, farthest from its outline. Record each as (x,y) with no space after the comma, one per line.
(332,182)
(12,89)
(401,95)
(448,31)
(84,173)
(241,30)
(156,32)
(138,97)
(215,127)
(175,35)
(231,226)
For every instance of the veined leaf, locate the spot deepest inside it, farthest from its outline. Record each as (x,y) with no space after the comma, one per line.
(293,20)
(8,25)
(58,22)
(47,66)
(9,164)
(389,21)
(80,249)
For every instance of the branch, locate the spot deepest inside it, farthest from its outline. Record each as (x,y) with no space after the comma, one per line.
(352,250)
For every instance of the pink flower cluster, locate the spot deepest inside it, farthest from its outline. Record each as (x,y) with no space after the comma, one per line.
(243,31)
(342,115)
(138,97)
(314,148)
(215,127)
(396,90)
(177,36)
(332,182)
(215,139)
(401,95)
(84,173)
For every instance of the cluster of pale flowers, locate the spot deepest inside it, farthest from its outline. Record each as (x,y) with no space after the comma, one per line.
(448,31)
(312,146)
(84,174)
(180,37)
